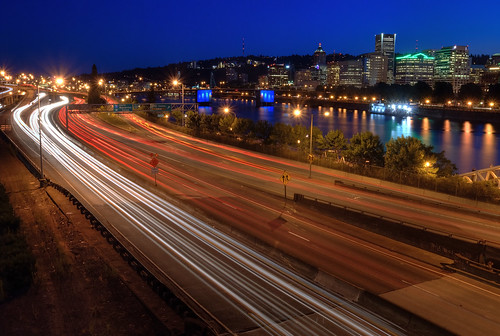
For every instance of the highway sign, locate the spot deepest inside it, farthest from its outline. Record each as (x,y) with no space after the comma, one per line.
(285,177)
(154,161)
(161,107)
(123,107)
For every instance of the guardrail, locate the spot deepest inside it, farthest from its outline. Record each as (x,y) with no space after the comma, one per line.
(299,197)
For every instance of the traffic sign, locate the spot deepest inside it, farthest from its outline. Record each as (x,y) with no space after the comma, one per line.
(161,107)
(123,107)
(154,170)
(285,177)
(310,158)
(154,161)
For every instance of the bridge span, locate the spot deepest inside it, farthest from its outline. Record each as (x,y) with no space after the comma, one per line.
(487,174)
(6,96)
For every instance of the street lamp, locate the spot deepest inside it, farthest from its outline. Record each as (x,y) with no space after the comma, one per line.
(297,113)
(40,134)
(175,82)
(101,83)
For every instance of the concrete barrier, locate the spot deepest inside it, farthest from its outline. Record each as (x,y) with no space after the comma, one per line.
(457,248)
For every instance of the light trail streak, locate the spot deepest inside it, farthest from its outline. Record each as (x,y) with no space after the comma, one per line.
(257,286)
(328,232)
(445,220)
(171,135)
(115,144)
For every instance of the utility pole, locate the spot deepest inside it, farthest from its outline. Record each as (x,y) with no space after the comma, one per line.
(311,146)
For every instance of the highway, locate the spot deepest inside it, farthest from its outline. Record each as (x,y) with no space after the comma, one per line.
(243,189)
(239,287)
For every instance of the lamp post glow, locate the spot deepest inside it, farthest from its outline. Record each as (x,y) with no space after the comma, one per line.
(297,113)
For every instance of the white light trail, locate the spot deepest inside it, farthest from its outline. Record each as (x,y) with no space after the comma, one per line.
(253,284)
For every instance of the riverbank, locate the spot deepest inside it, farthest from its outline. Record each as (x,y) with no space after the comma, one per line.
(459,114)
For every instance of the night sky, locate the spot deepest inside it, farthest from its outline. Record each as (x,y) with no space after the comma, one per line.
(67,37)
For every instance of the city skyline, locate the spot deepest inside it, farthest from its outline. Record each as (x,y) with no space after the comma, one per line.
(70,37)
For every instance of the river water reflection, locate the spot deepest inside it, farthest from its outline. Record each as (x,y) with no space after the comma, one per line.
(470,145)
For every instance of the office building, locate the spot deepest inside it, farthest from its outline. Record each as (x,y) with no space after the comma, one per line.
(351,72)
(375,68)
(333,74)
(303,80)
(452,65)
(413,68)
(386,44)
(494,63)
(231,75)
(278,75)
(319,68)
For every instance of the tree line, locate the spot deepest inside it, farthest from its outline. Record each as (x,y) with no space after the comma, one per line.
(404,154)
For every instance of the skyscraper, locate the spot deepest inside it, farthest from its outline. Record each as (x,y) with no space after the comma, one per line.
(319,58)
(319,68)
(374,68)
(412,68)
(386,44)
(452,65)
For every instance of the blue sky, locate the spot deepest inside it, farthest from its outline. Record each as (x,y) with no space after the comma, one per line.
(67,37)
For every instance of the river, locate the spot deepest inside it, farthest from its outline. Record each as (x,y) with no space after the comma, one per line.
(470,145)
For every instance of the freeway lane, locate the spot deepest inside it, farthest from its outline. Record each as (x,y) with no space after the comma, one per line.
(260,171)
(216,179)
(221,195)
(238,286)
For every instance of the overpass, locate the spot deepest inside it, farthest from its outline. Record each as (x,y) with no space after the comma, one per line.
(6,96)
(487,174)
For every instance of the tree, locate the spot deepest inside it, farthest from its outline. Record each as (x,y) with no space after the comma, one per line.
(422,91)
(445,167)
(470,92)
(151,98)
(443,91)
(300,137)
(226,124)
(335,141)
(263,130)
(193,121)
(210,123)
(365,148)
(281,134)
(244,127)
(493,95)
(94,95)
(409,155)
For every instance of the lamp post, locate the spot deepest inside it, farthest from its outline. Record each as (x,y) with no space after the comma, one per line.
(40,135)
(297,113)
(175,82)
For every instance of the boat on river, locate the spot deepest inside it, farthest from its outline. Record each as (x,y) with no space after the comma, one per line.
(395,109)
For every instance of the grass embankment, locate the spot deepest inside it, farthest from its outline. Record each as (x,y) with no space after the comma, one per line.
(17,263)
(115,120)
